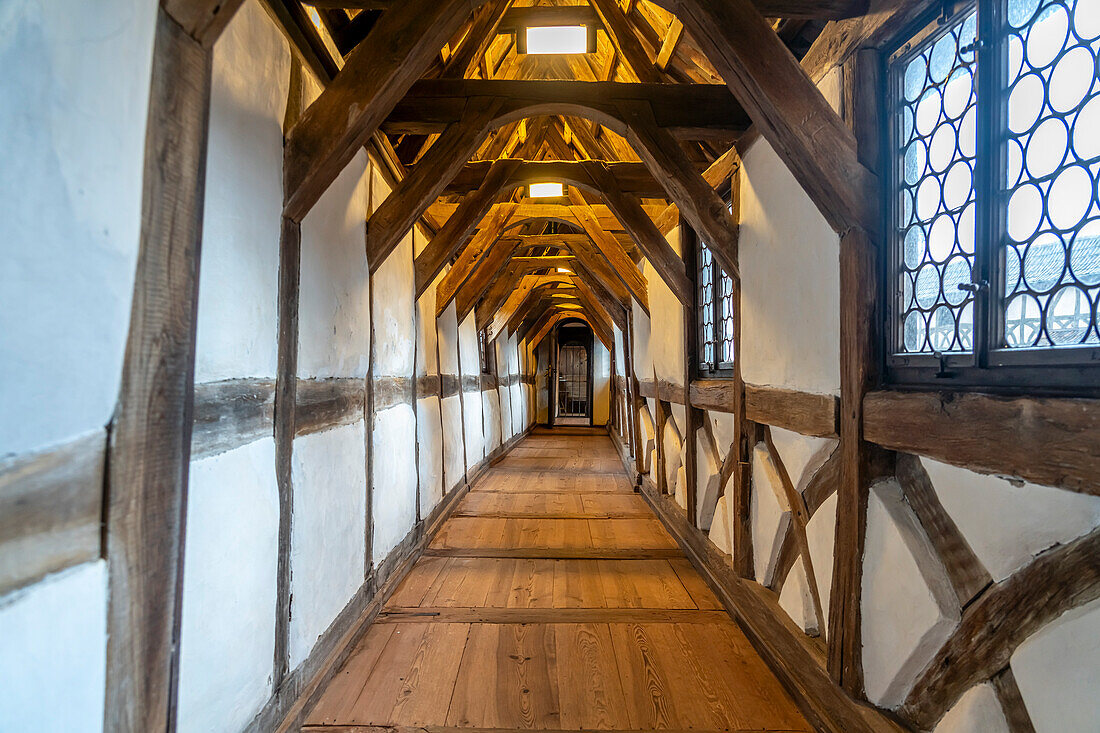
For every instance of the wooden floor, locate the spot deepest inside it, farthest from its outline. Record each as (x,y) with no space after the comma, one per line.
(553,599)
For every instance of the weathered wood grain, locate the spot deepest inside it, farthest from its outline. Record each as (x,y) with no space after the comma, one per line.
(150,446)
(1052,441)
(51,510)
(231,413)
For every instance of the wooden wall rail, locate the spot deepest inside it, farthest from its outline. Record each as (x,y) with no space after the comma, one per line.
(1045,440)
(803,412)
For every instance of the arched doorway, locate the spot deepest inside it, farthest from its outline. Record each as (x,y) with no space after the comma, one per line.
(573,374)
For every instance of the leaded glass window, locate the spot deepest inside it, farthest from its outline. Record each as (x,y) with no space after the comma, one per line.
(715,305)
(994,122)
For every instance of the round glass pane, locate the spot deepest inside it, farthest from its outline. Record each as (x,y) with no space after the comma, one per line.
(1086,131)
(941,238)
(927,286)
(914,332)
(1022,321)
(1046,148)
(1084,254)
(1044,263)
(1070,197)
(1072,78)
(955,274)
(1025,211)
(1025,103)
(1069,316)
(1047,37)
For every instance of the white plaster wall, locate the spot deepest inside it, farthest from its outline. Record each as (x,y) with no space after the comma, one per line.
(328,533)
(237,333)
(601,383)
(820,535)
(790,275)
(504,399)
(76,97)
(724,426)
(908,606)
(977,711)
(659,345)
(454,453)
(720,526)
(471,400)
(1007,523)
(429,435)
(1056,670)
(620,349)
(53,651)
(395,330)
(334,289)
(227,640)
(427,357)
(768,513)
(447,326)
(795,598)
(490,410)
(393,466)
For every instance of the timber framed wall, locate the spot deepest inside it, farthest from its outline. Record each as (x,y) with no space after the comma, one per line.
(312,414)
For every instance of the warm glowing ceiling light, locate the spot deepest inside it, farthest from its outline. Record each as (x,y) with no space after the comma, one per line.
(557,39)
(546,190)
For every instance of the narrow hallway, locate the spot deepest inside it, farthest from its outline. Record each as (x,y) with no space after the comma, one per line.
(553,599)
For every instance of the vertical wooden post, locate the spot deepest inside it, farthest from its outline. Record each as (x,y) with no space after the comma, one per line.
(859,372)
(632,394)
(286,391)
(150,446)
(689,247)
(745,434)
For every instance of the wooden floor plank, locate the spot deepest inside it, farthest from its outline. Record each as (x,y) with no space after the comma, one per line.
(590,692)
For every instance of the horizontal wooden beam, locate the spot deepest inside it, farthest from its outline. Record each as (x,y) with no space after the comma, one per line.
(1048,441)
(802,412)
(560,212)
(51,510)
(516,19)
(432,104)
(801,9)
(632,177)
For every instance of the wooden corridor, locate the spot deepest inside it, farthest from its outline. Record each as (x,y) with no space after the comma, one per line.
(553,599)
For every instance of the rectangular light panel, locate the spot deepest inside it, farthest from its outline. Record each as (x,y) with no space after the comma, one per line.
(546,190)
(557,39)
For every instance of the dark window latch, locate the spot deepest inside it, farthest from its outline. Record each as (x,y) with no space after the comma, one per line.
(944,372)
(977,287)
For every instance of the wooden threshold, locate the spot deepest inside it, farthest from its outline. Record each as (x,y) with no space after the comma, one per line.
(482,615)
(555,553)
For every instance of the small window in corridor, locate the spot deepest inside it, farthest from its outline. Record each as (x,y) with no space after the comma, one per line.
(994,265)
(714,314)
(483,350)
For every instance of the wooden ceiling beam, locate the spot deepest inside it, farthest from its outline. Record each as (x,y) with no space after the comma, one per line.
(513,298)
(485,238)
(489,268)
(516,19)
(613,252)
(560,212)
(376,75)
(625,41)
(697,200)
(449,239)
(476,43)
(792,114)
(432,104)
(203,20)
(632,177)
(716,176)
(669,43)
(809,9)
(424,184)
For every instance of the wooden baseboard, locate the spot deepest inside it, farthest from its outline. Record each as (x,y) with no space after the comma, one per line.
(302,687)
(624,456)
(792,656)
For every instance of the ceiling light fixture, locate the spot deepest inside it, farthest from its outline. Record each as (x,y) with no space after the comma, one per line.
(551,39)
(546,190)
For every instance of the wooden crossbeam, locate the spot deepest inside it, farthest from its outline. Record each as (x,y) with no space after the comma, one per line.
(489,268)
(685,109)
(374,78)
(612,251)
(632,177)
(696,199)
(559,212)
(405,204)
(516,19)
(669,43)
(447,241)
(625,41)
(486,236)
(811,9)
(481,34)
(791,113)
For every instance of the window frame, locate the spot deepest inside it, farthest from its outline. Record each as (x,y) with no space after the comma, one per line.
(1070,370)
(690,244)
